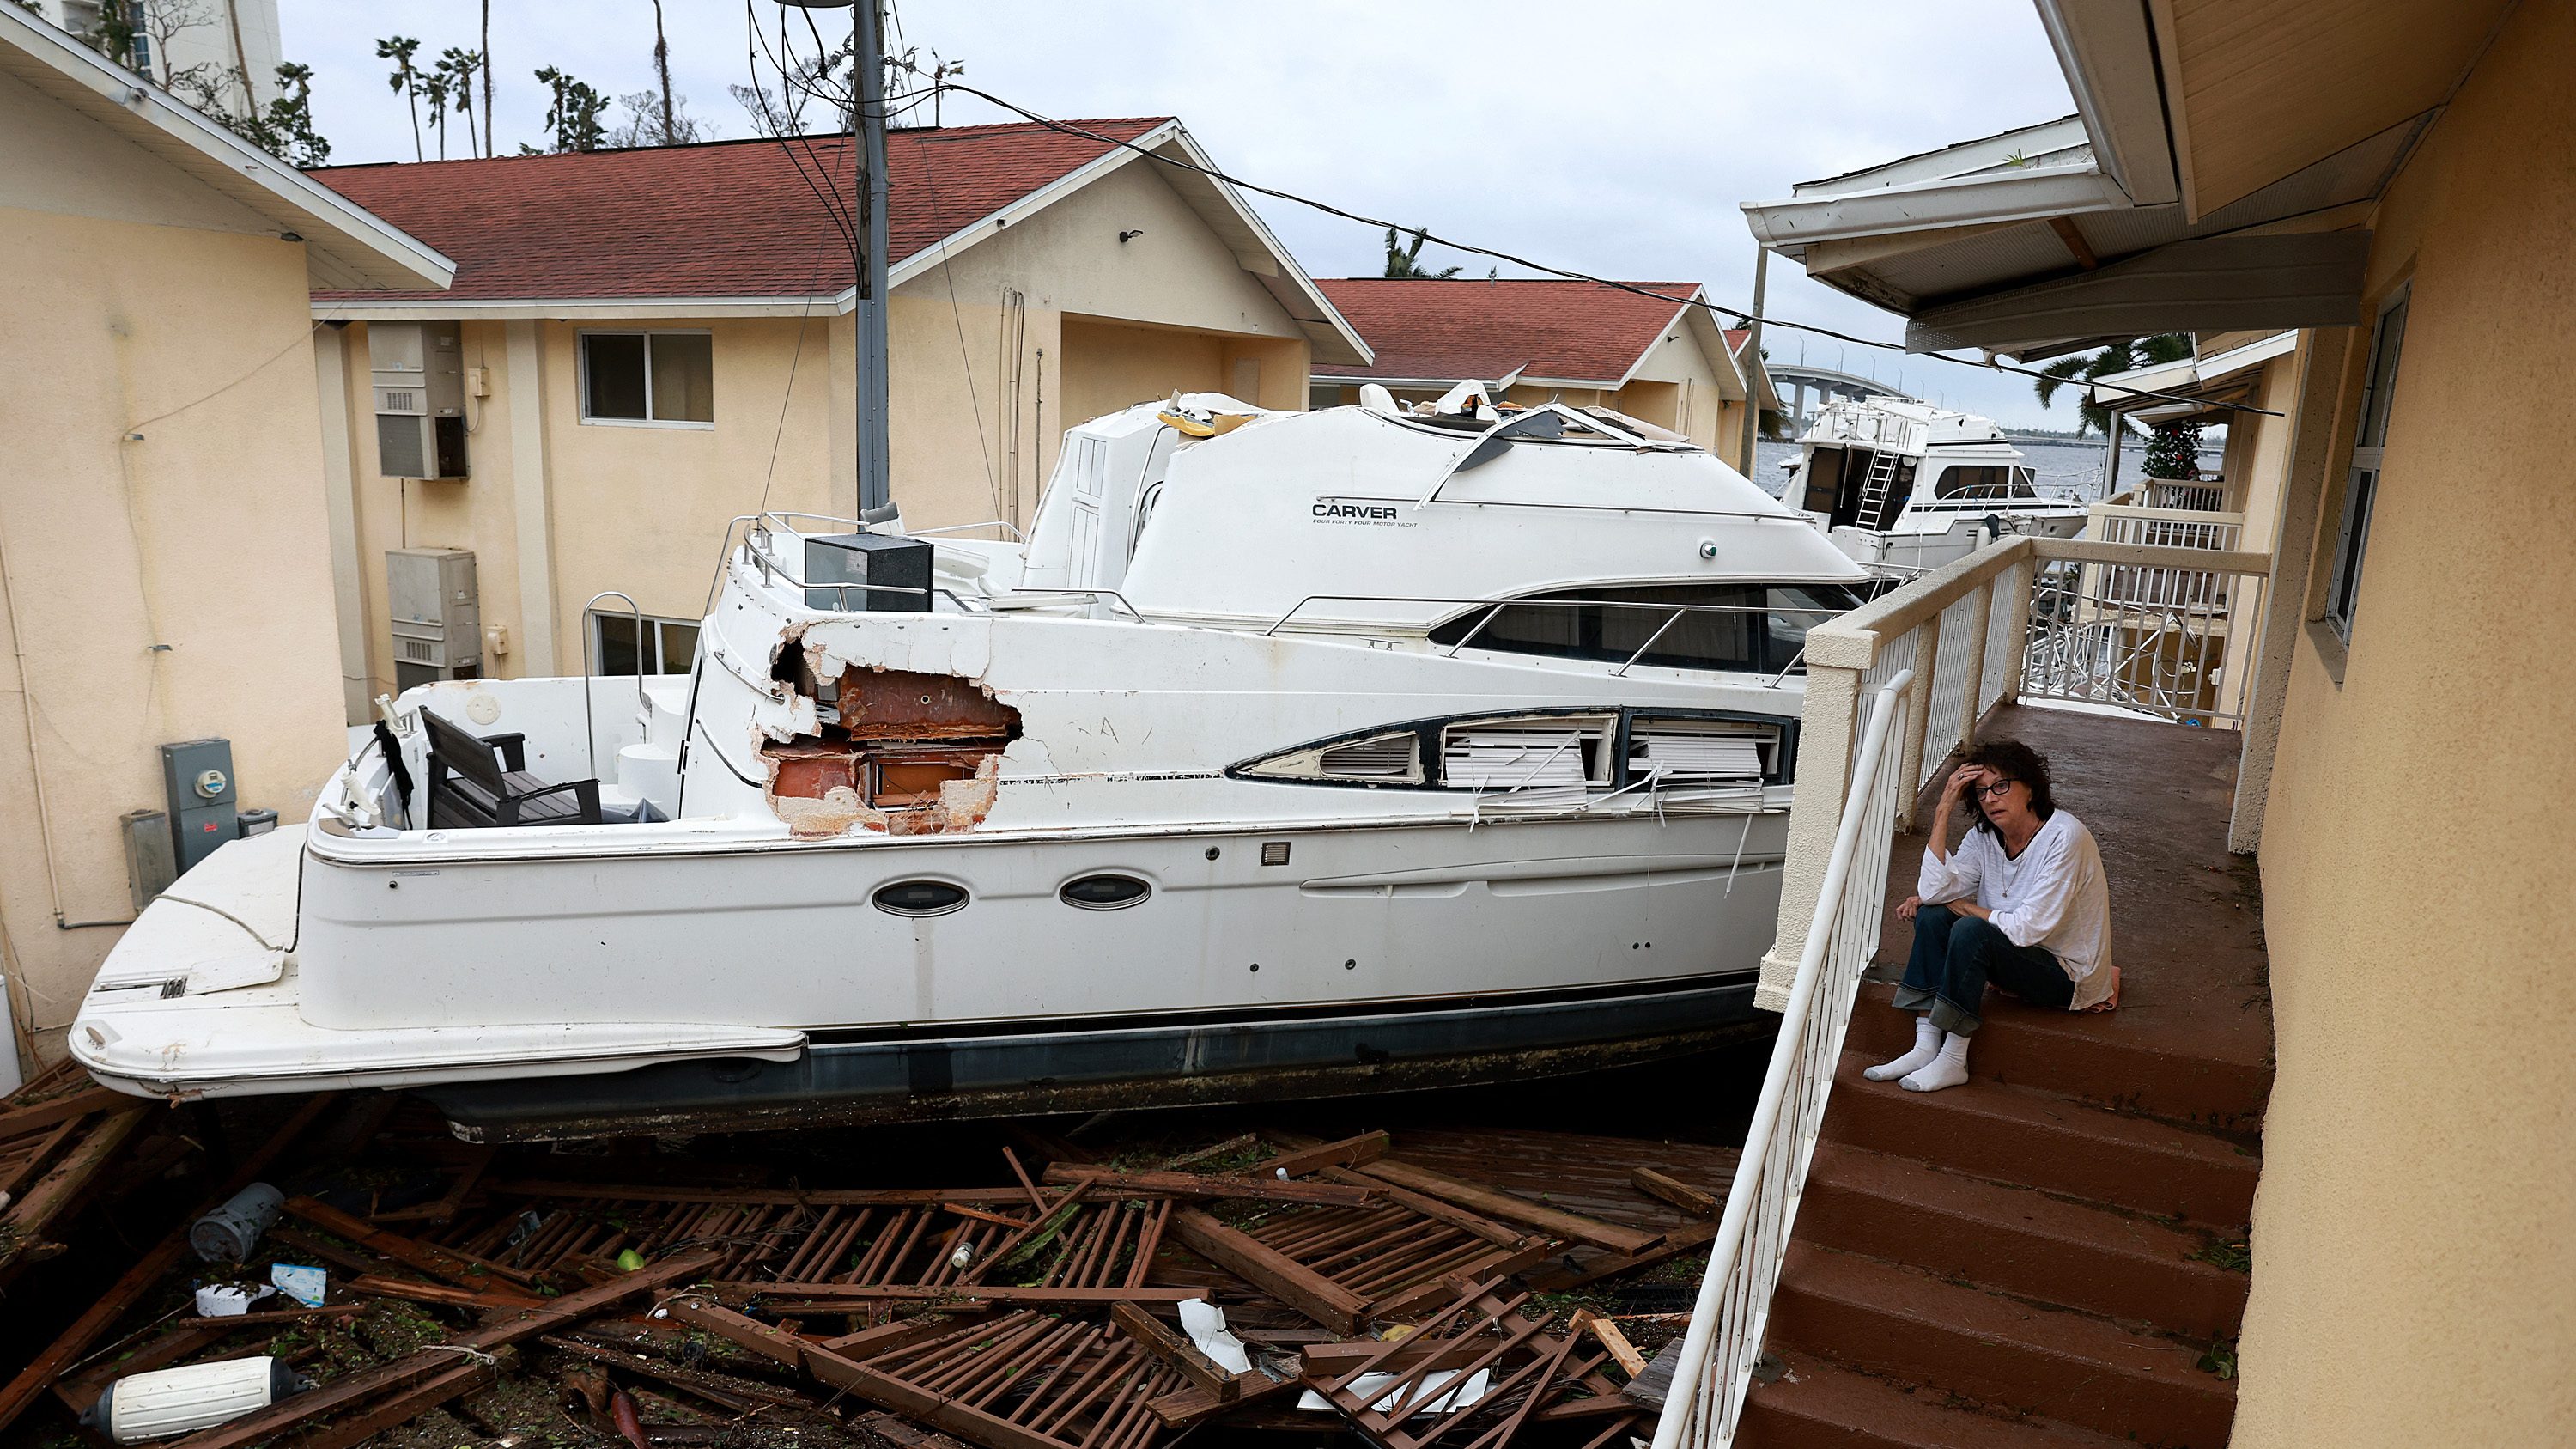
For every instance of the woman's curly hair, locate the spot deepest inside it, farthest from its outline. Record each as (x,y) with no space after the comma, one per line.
(2014,761)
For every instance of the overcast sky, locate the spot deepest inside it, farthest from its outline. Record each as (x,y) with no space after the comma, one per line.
(1615,137)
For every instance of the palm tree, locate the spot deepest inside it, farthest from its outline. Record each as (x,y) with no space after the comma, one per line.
(457,66)
(405,81)
(2118,357)
(1401,259)
(485,56)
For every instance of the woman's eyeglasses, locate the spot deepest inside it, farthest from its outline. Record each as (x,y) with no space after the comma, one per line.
(1996,790)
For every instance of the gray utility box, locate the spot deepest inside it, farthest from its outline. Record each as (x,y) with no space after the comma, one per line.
(437,615)
(150,864)
(197,778)
(418,373)
(897,567)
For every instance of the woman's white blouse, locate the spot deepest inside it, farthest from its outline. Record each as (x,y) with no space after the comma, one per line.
(2055,896)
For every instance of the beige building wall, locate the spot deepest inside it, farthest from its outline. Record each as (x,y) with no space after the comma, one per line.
(626,506)
(1000,346)
(2413,1265)
(162,529)
(1035,328)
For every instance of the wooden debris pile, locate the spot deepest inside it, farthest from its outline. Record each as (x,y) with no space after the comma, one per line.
(1389,1288)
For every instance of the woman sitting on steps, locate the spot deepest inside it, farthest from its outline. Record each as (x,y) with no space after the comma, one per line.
(2022,902)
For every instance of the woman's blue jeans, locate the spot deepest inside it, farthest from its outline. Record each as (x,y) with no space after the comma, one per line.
(1956,955)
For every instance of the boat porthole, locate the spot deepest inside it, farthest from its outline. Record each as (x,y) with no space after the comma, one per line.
(1104,892)
(919,898)
(1213,852)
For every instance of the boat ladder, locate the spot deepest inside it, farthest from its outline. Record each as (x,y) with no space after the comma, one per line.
(1873,492)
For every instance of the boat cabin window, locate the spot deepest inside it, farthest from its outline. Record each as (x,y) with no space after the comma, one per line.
(1747,628)
(1980,481)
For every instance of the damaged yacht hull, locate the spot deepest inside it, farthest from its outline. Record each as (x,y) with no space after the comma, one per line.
(1242,830)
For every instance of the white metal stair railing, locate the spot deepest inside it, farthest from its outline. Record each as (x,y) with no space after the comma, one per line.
(1734,1305)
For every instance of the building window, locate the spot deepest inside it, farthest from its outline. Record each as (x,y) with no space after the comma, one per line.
(648,377)
(2361,486)
(669,645)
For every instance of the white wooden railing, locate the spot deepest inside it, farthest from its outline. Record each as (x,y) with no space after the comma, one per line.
(1893,688)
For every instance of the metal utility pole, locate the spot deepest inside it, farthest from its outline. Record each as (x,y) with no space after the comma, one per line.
(867,62)
(1753,357)
(876,489)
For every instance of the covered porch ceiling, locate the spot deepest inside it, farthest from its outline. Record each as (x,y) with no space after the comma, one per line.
(2219,174)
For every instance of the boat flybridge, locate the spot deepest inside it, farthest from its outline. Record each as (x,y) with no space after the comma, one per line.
(1905,487)
(1293,753)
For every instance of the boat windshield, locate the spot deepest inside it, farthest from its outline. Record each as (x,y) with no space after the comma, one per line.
(1747,628)
(1984,480)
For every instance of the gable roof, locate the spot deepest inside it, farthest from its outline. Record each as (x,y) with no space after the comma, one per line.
(343,245)
(741,227)
(1562,333)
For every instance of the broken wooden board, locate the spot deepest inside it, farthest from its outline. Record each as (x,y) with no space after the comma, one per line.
(1105,1183)
(1272,1271)
(1024,1380)
(416,1370)
(146,1273)
(1677,1192)
(1512,1207)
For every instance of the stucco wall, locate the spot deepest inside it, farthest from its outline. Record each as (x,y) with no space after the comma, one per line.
(979,398)
(162,587)
(981,391)
(628,507)
(2413,1261)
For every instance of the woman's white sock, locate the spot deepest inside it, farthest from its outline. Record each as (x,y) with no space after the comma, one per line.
(1927,1045)
(1948,1067)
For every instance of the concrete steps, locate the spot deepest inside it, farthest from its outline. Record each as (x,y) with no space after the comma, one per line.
(2018,1240)
(2115,1061)
(1819,1405)
(1906,1324)
(2055,1143)
(2005,1264)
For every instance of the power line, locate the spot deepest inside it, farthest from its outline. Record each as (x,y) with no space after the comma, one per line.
(1744,317)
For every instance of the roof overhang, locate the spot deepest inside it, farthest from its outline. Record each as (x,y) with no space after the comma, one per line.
(576,309)
(2208,385)
(2233,154)
(346,247)
(1216,203)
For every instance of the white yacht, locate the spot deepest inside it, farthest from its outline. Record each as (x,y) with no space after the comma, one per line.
(1904,487)
(1295,753)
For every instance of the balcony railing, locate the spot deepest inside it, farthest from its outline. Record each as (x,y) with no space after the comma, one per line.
(2191,495)
(2025,618)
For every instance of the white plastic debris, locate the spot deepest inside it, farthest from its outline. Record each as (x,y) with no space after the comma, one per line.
(305,1285)
(1435,1381)
(228,1300)
(1204,1322)
(168,1402)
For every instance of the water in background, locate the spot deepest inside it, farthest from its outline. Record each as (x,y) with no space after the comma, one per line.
(2063,470)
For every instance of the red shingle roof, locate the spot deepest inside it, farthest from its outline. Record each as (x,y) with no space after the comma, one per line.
(724,219)
(1568,331)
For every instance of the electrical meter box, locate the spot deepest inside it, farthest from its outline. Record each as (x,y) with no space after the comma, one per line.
(884,572)
(437,615)
(197,778)
(417,370)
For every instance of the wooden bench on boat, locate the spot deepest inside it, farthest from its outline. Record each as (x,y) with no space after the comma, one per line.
(478,782)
